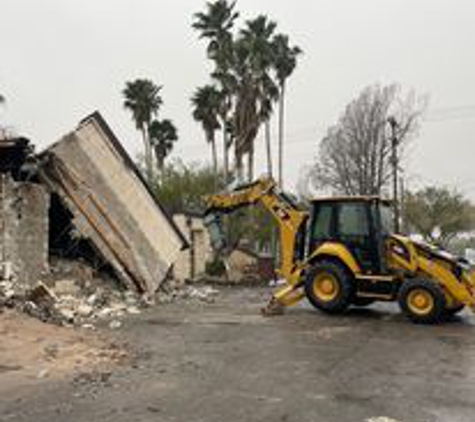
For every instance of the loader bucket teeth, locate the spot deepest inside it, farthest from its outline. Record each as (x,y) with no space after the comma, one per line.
(273,308)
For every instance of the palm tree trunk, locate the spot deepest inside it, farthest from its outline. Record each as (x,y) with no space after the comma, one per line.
(148,154)
(214,153)
(225,155)
(268,148)
(250,163)
(281,135)
(238,156)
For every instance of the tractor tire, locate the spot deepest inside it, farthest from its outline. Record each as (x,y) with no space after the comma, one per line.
(329,287)
(422,301)
(362,301)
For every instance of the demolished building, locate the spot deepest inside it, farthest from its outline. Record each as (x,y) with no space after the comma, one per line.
(83,195)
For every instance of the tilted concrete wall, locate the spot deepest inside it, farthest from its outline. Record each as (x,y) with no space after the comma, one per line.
(111,204)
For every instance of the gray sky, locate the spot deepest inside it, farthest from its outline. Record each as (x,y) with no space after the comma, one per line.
(62,59)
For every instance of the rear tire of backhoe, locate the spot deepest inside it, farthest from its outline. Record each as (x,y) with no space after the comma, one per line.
(422,301)
(329,287)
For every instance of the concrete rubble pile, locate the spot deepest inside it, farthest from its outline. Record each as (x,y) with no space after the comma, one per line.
(81,236)
(171,291)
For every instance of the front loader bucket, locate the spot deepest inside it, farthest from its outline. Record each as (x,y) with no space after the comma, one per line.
(214,224)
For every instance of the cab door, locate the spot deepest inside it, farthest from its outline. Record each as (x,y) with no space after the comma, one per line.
(322,227)
(354,230)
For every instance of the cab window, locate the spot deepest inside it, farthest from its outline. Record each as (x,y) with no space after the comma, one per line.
(353,220)
(387,219)
(322,222)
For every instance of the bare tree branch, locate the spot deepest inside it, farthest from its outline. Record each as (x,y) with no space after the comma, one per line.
(354,156)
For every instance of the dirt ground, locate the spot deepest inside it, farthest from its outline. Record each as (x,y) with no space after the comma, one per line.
(200,362)
(32,352)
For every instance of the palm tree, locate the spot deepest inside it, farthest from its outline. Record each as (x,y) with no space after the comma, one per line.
(2,99)
(142,98)
(216,25)
(257,38)
(285,61)
(163,134)
(207,103)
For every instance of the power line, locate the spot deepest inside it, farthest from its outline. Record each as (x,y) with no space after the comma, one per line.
(460,112)
(443,114)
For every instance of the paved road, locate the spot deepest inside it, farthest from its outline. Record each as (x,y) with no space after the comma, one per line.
(224,362)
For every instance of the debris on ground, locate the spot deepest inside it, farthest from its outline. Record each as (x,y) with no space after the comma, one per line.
(172,291)
(64,298)
(76,294)
(381,419)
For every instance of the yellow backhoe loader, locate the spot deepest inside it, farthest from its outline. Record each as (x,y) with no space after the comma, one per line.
(344,253)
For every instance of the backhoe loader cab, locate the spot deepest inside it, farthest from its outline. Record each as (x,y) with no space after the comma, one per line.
(362,224)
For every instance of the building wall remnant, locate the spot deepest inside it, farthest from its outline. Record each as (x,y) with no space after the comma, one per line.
(191,263)
(23,231)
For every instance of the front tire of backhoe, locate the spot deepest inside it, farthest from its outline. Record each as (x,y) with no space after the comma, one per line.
(422,301)
(329,287)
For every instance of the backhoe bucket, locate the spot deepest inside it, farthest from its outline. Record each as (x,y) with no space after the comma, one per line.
(214,224)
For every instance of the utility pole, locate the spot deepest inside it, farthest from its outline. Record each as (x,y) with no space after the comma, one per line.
(395,164)
(402,204)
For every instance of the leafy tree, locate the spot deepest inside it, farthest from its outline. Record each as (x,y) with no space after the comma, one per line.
(438,214)
(142,98)
(163,134)
(206,105)
(182,189)
(285,61)
(355,155)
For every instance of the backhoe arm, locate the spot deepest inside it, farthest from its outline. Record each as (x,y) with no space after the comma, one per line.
(290,219)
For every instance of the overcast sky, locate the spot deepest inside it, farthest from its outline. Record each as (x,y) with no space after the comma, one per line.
(62,59)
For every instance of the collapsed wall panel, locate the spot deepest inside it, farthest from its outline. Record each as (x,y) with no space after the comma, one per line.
(111,204)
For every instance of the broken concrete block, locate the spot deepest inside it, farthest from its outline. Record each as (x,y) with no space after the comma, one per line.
(42,373)
(133,310)
(114,325)
(66,287)
(42,295)
(84,310)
